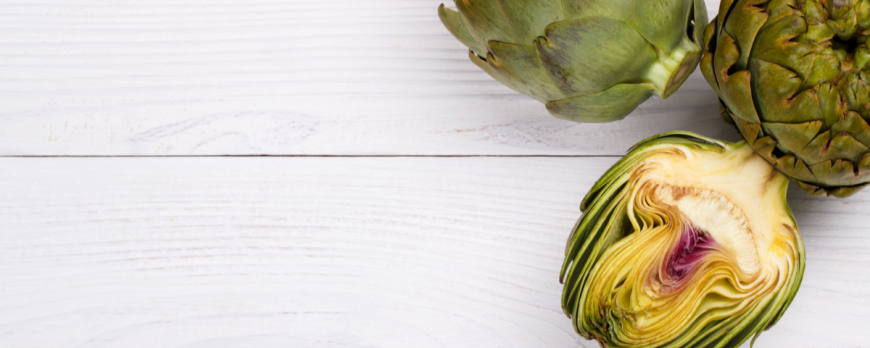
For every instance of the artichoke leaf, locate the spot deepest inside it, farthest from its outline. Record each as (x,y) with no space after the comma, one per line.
(658,19)
(785,102)
(484,21)
(483,64)
(734,89)
(852,123)
(700,21)
(578,9)
(521,69)
(793,136)
(610,105)
(827,146)
(528,19)
(750,131)
(744,31)
(829,103)
(840,171)
(582,56)
(775,44)
(707,59)
(456,26)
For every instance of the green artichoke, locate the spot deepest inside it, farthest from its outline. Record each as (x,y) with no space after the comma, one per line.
(685,242)
(587,60)
(793,77)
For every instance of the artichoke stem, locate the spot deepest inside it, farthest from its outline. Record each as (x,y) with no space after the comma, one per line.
(670,71)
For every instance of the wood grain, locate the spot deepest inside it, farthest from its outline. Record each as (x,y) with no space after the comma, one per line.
(304,77)
(315,252)
(329,252)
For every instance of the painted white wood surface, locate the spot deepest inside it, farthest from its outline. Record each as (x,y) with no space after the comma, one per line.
(281,77)
(330,252)
(315,252)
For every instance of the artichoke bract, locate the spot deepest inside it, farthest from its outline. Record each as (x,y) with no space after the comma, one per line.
(587,60)
(793,77)
(685,242)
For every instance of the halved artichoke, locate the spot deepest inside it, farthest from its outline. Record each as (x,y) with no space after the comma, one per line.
(685,242)
(794,77)
(587,60)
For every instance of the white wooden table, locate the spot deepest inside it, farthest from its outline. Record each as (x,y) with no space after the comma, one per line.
(311,173)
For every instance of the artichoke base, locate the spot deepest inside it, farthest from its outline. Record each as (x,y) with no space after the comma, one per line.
(669,72)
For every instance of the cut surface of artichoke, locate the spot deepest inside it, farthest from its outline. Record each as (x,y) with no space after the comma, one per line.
(714,216)
(686,242)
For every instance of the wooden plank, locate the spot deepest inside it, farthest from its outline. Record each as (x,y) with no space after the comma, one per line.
(274,77)
(327,252)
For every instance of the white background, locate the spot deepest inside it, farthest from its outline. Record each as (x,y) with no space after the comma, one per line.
(406,199)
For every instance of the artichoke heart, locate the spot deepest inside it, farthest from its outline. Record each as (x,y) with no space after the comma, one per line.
(587,60)
(685,242)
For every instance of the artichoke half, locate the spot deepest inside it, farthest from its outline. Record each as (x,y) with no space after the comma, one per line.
(685,242)
(587,60)
(793,77)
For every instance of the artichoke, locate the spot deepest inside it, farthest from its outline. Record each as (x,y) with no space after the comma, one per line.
(793,77)
(685,242)
(587,60)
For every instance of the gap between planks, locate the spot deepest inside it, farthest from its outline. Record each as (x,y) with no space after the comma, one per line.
(336,156)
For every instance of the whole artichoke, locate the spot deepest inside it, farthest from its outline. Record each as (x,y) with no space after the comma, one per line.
(588,60)
(792,75)
(685,242)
